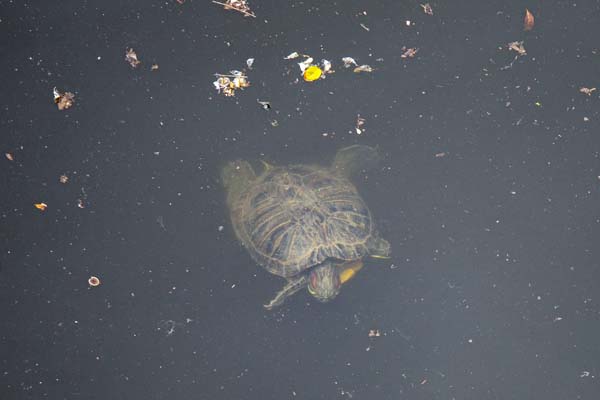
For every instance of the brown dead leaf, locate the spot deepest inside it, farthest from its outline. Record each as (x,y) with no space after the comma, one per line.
(63,100)
(41,206)
(528,21)
(9,156)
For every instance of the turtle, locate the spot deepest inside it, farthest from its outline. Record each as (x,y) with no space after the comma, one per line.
(305,223)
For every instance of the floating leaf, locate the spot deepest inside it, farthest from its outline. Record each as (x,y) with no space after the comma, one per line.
(348,62)
(528,21)
(291,56)
(363,68)
(131,58)
(305,64)
(583,90)
(427,8)
(63,100)
(518,47)
(41,206)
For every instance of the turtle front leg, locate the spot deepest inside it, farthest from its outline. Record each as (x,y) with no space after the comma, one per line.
(293,286)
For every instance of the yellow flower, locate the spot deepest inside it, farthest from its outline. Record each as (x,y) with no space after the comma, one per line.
(312,73)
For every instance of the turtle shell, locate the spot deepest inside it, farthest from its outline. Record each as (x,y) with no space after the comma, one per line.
(292,218)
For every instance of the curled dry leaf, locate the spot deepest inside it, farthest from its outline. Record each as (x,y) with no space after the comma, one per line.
(528,21)
(587,91)
(427,8)
(63,179)
(363,68)
(305,64)
(349,62)
(154,67)
(518,47)
(9,156)
(41,206)
(132,58)
(409,53)
(63,100)
(291,56)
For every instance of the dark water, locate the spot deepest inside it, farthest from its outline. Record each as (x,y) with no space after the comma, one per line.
(488,193)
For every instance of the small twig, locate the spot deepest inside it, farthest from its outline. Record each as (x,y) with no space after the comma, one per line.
(230,76)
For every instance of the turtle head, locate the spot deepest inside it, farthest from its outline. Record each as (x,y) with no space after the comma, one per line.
(236,176)
(379,248)
(324,282)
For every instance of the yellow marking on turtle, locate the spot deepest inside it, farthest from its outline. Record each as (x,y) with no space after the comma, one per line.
(350,269)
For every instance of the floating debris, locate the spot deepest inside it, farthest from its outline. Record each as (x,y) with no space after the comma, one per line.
(311,72)
(359,124)
(291,56)
(349,62)
(240,6)
(528,21)
(374,333)
(94,281)
(363,68)
(131,58)
(427,8)
(9,156)
(409,52)
(518,47)
(154,67)
(587,91)
(229,83)
(366,28)
(63,179)
(264,104)
(250,62)
(41,206)
(63,100)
